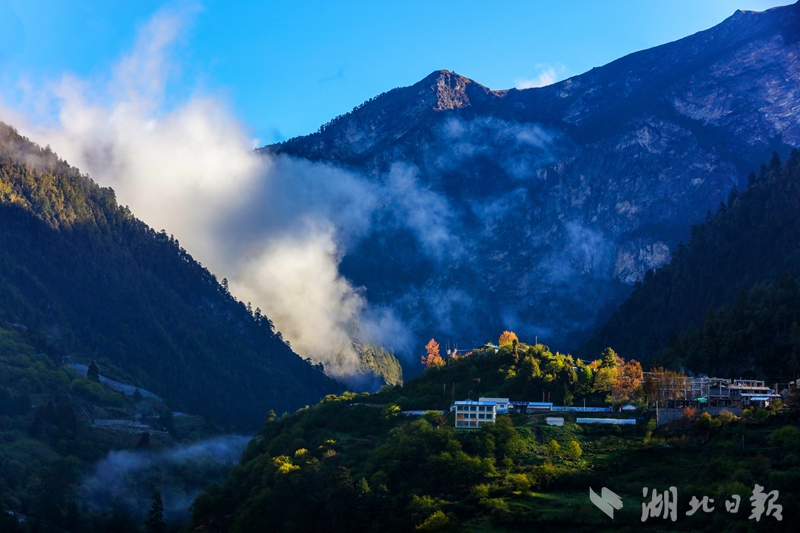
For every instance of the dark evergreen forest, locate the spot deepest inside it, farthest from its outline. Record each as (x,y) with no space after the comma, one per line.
(728,300)
(85,279)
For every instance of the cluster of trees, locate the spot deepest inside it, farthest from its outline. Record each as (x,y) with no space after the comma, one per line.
(14,404)
(377,360)
(526,371)
(47,445)
(41,449)
(741,262)
(758,334)
(365,468)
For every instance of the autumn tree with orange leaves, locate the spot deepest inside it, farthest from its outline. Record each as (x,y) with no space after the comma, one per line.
(661,385)
(433,359)
(627,379)
(507,338)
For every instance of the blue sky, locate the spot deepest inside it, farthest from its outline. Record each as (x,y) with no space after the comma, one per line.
(285,67)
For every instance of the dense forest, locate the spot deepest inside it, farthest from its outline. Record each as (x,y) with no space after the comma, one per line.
(735,274)
(377,361)
(363,466)
(756,336)
(49,447)
(90,282)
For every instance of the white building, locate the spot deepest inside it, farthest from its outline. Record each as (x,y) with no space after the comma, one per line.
(472,414)
(502,404)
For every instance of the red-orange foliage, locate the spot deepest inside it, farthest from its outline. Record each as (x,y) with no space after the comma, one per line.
(433,359)
(507,338)
(627,380)
(662,385)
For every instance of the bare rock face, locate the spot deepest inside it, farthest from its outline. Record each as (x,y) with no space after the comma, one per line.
(636,257)
(558,199)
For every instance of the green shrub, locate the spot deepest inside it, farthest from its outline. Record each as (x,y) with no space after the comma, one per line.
(574,450)
(553,448)
(786,439)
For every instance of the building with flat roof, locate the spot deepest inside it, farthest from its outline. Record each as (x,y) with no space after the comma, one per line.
(471,414)
(502,404)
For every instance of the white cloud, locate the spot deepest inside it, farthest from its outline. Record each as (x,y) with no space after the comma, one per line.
(274,226)
(547,75)
(425,212)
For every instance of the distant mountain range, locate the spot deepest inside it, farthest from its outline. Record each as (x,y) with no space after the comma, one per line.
(544,206)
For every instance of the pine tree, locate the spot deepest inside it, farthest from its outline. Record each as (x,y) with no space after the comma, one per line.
(93,373)
(609,359)
(155,518)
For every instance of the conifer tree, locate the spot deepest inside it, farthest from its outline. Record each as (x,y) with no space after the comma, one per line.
(155,518)
(433,359)
(93,373)
(608,358)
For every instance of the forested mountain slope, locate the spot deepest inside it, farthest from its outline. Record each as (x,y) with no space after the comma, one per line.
(538,209)
(364,467)
(94,283)
(751,241)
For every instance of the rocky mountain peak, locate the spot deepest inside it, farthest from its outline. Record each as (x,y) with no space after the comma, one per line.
(594,179)
(451,90)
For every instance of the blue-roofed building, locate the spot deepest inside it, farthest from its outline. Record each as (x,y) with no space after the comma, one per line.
(471,414)
(502,404)
(543,406)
